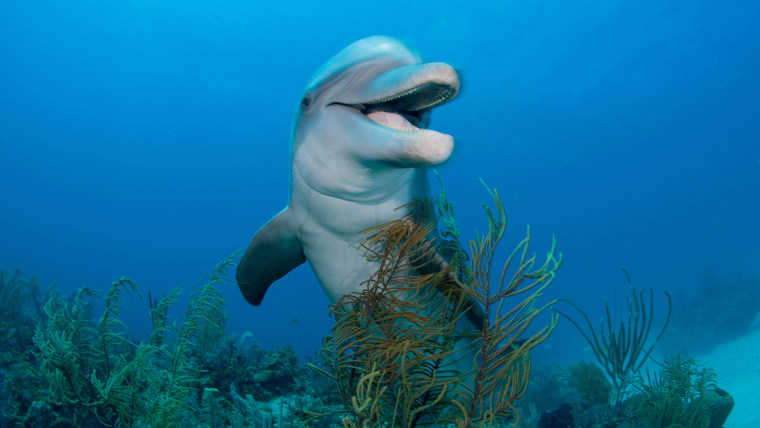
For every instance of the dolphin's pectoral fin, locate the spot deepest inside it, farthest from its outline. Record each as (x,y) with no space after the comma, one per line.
(433,261)
(274,251)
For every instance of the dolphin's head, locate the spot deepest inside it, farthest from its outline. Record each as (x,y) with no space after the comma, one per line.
(366,111)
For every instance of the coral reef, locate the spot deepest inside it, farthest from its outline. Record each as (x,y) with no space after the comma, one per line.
(18,295)
(19,311)
(681,394)
(719,309)
(61,367)
(590,382)
(394,358)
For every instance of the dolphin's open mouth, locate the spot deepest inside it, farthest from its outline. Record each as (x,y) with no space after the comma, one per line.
(406,111)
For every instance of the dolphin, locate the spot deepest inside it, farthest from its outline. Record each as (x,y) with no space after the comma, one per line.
(360,149)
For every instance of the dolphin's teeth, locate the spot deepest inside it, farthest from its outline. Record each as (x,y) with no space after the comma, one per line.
(389,99)
(430,103)
(413,128)
(428,95)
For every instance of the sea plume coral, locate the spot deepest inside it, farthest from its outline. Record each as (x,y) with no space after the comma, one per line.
(622,347)
(398,351)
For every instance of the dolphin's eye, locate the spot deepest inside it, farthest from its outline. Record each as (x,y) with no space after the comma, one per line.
(306,101)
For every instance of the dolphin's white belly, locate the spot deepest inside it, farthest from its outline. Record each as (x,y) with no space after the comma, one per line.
(332,231)
(337,263)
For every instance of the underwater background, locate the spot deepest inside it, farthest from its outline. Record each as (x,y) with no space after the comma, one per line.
(150,140)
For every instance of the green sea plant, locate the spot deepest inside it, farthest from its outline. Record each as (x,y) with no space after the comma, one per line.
(94,371)
(622,347)
(398,352)
(246,412)
(682,394)
(589,381)
(172,387)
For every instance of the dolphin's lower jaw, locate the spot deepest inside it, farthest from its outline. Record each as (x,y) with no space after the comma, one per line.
(429,148)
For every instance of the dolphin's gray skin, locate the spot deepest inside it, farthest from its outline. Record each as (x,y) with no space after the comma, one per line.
(359,152)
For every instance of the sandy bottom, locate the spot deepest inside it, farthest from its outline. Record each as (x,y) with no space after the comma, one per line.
(737,364)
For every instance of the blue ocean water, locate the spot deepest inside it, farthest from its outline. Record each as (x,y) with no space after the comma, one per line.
(150,139)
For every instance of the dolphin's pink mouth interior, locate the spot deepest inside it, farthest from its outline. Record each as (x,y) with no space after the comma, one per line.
(391,119)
